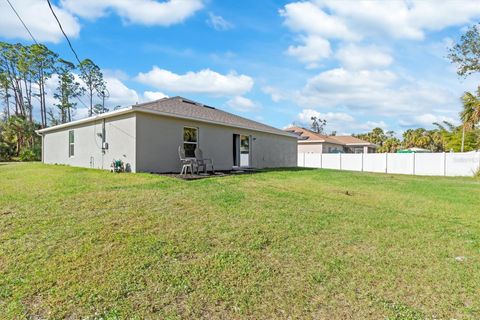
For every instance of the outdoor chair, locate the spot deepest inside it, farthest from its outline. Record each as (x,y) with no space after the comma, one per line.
(202,162)
(186,163)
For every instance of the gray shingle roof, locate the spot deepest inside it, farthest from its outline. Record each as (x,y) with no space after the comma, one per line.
(185,108)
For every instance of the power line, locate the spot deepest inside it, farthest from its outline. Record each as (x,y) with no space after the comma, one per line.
(61,28)
(13,8)
(102,94)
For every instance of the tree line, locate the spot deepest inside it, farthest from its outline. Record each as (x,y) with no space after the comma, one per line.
(444,137)
(24,72)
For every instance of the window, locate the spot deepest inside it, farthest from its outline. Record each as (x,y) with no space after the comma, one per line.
(71,143)
(190,141)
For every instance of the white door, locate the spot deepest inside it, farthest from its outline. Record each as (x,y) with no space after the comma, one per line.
(244,151)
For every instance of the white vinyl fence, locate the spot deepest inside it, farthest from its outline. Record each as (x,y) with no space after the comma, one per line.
(426,164)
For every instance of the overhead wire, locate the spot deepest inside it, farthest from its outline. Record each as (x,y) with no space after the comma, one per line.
(21,20)
(63,32)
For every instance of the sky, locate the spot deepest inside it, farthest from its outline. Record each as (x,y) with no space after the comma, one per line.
(357,64)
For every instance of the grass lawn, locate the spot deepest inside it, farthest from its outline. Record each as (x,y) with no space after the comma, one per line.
(318,244)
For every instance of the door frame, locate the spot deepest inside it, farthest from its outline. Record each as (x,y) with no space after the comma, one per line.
(237,152)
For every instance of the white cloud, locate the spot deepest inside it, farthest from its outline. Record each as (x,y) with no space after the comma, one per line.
(242,104)
(204,81)
(39,20)
(218,22)
(314,49)
(369,125)
(153,95)
(340,122)
(426,120)
(400,19)
(275,94)
(356,57)
(378,92)
(307,114)
(120,94)
(146,12)
(309,18)
(339,80)
(369,19)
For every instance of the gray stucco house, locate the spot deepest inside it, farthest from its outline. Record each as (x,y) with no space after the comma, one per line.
(146,138)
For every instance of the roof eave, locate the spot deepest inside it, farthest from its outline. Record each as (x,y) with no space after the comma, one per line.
(86,120)
(361,144)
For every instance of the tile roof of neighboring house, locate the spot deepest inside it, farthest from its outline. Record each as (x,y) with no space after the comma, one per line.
(349,140)
(185,108)
(307,135)
(179,107)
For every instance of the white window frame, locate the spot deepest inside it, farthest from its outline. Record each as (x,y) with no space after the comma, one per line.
(190,142)
(71,144)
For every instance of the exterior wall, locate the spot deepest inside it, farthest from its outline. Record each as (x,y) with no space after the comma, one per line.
(310,147)
(321,147)
(325,147)
(120,136)
(159,138)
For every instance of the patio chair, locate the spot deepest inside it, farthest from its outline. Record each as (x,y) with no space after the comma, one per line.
(186,163)
(202,162)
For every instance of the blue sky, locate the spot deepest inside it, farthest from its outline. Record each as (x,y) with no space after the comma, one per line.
(359,64)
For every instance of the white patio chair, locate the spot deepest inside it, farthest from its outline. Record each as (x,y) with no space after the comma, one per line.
(202,162)
(186,163)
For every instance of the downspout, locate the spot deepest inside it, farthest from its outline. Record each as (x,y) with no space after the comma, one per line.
(103,142)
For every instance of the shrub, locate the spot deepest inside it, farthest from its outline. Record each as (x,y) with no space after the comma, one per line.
(7,151)
(30,154)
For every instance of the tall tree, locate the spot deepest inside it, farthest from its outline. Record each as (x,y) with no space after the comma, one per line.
(26,73)
(421,138)
(4,93)
(470,115)
(67,90)
(318,125)
(466,53)
(454,137)
(91,74)
(43,65)
(9,64)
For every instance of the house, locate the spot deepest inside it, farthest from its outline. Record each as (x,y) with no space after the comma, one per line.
(310,141)
(146,137)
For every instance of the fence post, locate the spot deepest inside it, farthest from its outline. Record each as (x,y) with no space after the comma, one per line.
(386,162)
(413,163)
(340,161)
(321,160)
(304,159)
(444,164)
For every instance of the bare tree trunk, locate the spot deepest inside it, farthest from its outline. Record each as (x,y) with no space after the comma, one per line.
(91,103)
(7,104)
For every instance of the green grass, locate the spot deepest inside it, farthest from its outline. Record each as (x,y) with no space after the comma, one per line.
(79,243)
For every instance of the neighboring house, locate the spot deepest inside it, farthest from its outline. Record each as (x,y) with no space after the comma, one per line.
(310,141)
(146,138)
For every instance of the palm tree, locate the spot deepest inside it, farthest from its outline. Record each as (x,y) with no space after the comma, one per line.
(470,114)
